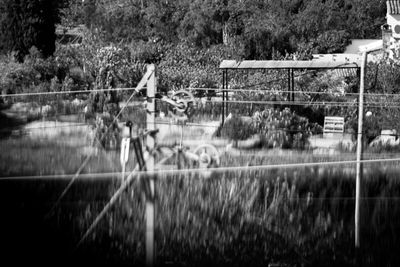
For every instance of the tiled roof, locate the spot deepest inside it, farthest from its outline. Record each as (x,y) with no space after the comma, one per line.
(393,7)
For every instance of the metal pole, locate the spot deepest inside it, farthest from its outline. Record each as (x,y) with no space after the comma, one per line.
(292,84)
(223,97)
(289,85)
(226,94)
(150,197)
(359,170)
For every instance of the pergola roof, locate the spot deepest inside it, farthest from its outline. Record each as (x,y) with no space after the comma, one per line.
(288,64)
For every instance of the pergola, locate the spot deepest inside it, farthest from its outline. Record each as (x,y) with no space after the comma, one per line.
(322,63)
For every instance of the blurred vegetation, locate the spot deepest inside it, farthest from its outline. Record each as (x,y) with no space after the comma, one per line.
(235,128)
(278,128)
(302,217)
(298,217)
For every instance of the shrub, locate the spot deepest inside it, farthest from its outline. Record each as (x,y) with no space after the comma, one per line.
(282,128)
(148,52)
(236,129)
(278,128)
(372,127)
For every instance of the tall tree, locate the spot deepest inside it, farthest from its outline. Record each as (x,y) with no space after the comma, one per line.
(27,23)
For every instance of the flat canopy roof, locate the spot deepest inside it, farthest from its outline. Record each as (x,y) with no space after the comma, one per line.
(287,64)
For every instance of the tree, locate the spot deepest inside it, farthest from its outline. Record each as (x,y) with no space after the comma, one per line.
(199,28)
(164,18)
(73,14)
(329,42)
(27,23)
(364,18)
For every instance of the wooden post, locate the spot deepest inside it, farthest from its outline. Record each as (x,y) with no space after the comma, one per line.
(359,170)
(150,197)
(124,155)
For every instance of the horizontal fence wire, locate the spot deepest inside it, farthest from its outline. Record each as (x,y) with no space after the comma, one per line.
(215,89)
(201,125)
(43,127)
(70,92)
(197,125)
(118,175)
(238,90)
(354,104)
(305,103)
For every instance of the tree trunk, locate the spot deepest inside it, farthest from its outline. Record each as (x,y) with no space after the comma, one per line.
(225,34)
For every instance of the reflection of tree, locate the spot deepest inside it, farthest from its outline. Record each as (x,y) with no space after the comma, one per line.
(24,24)
(108,61)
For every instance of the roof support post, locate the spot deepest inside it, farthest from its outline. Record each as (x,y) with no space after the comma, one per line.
(223,96)
(359,169)
(226,94)
(292,74)
(150,212)
(289,85)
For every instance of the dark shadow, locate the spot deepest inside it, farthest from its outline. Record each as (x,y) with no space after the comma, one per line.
(8,125)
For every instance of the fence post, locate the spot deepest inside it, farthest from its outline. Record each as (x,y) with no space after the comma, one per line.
(150,197)
(359,170)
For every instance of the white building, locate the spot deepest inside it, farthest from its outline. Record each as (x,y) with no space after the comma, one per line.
(389,45)
(393,17)
(391,30)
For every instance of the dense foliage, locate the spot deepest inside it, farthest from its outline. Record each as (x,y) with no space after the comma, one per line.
(261,27)
(188,39)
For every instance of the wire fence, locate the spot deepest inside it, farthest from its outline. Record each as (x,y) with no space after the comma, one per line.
(120,89)
(209,89)
(189,172)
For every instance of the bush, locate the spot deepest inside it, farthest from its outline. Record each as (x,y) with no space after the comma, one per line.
(278,128)
(236,129)
(372,127)
(282,128)
(148,52)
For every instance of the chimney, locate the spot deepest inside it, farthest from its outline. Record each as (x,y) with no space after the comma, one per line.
(386,36)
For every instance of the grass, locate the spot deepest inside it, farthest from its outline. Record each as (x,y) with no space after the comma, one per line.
(22,157)
(294,217)
(302,217)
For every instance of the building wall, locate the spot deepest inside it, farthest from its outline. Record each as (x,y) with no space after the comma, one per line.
(394,22)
